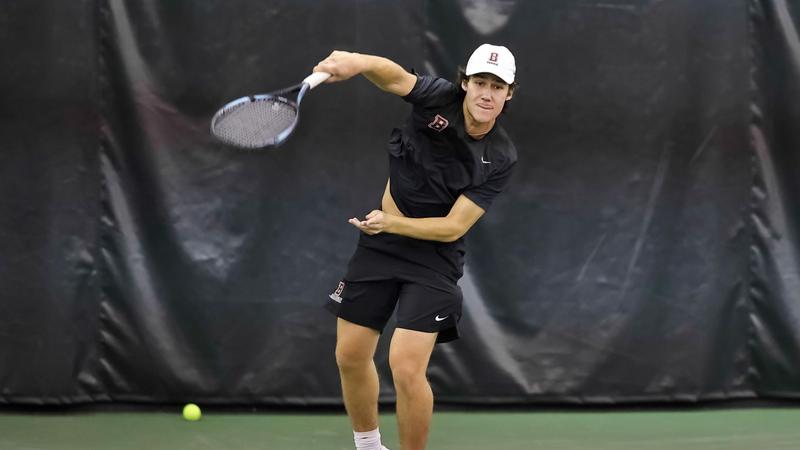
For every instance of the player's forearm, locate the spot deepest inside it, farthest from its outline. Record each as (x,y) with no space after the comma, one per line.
(441,229)
(385,74)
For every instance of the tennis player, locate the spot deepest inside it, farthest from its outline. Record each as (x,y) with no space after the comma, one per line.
(446,166)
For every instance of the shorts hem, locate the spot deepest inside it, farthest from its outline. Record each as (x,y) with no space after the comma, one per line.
(336,310)
(444,335)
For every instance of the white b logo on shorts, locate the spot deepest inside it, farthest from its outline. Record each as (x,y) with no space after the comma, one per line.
(336,295)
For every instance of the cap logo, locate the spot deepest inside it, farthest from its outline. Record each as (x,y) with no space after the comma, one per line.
(493,57)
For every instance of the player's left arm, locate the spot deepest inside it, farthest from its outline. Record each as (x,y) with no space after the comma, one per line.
(459,220)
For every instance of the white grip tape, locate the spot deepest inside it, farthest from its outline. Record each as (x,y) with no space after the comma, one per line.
(316,78)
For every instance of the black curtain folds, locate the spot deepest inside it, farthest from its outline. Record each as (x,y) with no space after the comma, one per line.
(646,251)
(775,214)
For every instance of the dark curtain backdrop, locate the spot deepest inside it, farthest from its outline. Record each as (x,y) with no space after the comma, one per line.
(646,251)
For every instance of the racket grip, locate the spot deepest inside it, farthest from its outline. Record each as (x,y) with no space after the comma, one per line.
(316,78)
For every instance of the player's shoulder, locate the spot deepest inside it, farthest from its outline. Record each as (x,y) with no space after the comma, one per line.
(435,82)
(430,90)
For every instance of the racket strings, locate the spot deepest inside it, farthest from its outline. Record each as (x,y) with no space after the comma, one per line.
(257,123)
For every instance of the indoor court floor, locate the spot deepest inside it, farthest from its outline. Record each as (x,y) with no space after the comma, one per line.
(722,429)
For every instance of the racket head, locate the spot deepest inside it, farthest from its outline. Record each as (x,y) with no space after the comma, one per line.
(257,121)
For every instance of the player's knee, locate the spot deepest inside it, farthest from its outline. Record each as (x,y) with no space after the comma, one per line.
(406,372)
(350,358)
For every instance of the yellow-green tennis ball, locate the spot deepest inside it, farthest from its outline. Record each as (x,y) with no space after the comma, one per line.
(191,412)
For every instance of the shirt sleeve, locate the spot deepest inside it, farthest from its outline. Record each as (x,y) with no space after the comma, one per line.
(431,92)
(484,194)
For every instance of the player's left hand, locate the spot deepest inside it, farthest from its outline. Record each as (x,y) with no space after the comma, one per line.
(375,222)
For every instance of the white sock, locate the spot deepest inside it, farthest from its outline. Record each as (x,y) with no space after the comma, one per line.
(367,440)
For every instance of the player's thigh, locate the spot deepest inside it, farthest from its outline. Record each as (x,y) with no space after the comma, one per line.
(355,344)
(410,351)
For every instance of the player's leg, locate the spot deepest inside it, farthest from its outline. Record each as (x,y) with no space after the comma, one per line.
(425,315)
(355,349)
(363,308)
(409,355)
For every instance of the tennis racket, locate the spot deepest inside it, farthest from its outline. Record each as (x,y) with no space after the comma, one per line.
(266,120)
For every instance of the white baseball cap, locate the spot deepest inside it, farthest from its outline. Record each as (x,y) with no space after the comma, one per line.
(494,59)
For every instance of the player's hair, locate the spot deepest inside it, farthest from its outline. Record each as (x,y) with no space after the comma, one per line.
(462,76)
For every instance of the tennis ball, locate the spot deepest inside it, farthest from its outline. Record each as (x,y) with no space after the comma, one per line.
(191,412)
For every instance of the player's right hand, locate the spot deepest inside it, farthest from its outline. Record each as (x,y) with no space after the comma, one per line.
(341,65)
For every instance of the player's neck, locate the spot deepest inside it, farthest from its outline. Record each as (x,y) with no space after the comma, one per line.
(476,130)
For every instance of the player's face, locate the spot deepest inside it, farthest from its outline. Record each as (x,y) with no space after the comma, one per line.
(486,96)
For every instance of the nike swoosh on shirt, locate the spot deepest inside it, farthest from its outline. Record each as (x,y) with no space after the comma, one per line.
(485,161)
(439,319)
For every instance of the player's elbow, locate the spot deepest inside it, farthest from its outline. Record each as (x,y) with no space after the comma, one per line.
(457,225)
(453,233)
(450,238)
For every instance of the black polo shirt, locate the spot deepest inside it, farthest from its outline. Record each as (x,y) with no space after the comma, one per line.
(432,161)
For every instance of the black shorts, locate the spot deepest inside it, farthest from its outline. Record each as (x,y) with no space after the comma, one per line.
(425,300)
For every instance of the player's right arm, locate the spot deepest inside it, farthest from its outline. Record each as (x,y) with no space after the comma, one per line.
(382,72)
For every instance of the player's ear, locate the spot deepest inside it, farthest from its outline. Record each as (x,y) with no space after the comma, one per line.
(464,85)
